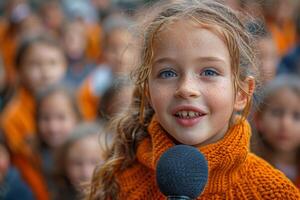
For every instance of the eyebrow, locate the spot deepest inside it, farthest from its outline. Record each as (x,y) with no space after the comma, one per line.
(200,59)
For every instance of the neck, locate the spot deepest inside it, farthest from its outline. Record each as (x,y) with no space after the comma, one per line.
(283,157)
(286,157)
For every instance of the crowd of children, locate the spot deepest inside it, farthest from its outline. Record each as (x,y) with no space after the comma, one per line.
(100,88)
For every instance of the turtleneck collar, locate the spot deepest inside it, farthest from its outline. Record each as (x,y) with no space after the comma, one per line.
(224,157)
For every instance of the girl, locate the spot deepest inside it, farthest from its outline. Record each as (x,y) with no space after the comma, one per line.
(278,124)
(57,115)
(77,159)
(195,75)
(40,62)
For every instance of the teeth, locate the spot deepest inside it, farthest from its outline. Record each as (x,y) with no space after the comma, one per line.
(188,114)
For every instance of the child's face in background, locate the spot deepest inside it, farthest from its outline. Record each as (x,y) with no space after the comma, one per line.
(268,58)
(57,119)
(279,123)
(4,162)
(118,52)
(81,159)
(43,65)
(75,40)
(191,85)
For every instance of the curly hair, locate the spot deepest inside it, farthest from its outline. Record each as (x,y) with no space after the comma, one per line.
(130,127)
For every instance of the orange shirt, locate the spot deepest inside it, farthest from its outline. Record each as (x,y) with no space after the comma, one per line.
(234,172)
(284,37)
(87,101)
(8,46)
(94,43)
(19,126)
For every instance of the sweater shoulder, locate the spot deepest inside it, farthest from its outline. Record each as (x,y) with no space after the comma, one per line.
(138,182)
(269,182)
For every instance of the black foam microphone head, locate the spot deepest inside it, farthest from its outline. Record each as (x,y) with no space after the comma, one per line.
(182,171)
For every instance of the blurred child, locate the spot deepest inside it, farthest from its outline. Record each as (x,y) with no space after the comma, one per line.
(278,124)
(75,44)
(195,75)
(268,56)
(117,98)
(21,20)
(40,63)
(52,16)
(279,16)
(78,157)
(118,54)
(57,115)
(12,187)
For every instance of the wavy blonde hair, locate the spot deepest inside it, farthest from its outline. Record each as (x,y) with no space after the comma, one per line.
(131,126)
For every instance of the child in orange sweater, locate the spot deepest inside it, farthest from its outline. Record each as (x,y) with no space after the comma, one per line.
(196,73)
(40,62)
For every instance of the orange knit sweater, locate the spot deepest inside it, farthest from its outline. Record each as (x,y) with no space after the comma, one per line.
(234,172)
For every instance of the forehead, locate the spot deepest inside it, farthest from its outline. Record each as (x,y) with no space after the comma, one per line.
(186,36)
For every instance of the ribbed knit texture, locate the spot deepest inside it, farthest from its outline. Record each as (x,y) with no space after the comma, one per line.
(234,172)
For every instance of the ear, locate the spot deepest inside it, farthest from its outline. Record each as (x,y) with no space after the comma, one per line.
(244,93)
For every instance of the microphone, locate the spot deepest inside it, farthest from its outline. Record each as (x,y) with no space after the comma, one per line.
(182,173)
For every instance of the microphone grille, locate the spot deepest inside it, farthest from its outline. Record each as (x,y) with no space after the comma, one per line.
(182,171)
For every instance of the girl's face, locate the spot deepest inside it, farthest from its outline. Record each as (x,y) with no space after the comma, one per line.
(268,57)
(57,118)
(81,159)
(191,85)
(75,40)
(279,124)
(118,53)
(43,65)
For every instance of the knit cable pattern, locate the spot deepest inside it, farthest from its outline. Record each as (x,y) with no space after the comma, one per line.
(234,172)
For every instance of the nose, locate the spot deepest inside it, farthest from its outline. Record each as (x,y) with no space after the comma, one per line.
(188,87)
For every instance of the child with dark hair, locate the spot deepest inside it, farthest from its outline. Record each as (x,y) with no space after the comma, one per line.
(41,63)
(57,115)
(118,58)
(84,149)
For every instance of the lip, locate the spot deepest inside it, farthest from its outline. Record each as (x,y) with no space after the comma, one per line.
(187,108)
(189,122)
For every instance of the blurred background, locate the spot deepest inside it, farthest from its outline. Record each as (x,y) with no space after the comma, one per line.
(64,72)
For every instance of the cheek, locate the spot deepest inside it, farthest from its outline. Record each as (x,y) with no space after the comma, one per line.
(218,99)
(159,95)
(69,123)
(73,172)
(264,125)
(33,74)
(43,128)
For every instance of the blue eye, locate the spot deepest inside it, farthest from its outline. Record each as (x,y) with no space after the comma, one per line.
(167,74)
(209,72)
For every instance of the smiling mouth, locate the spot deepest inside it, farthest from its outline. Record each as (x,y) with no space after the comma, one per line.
(188,114)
